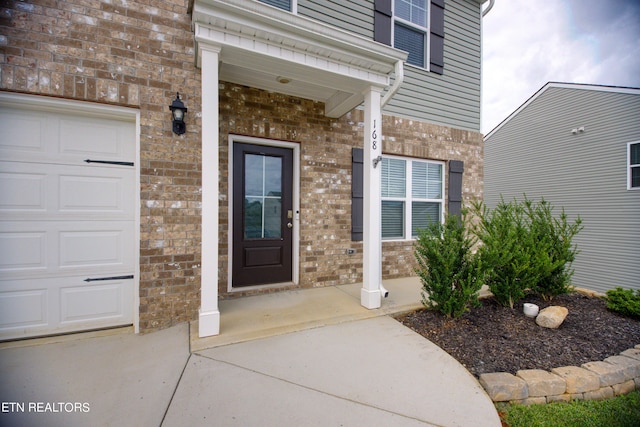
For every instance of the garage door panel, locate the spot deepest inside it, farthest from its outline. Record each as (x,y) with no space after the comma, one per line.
(93,193)
(63,304)
(64,220)
(93,137)
(97,248)
(23,251)
(22,191)
(66,191)
(53,137)
(94,302)
(23,131)
(23,309)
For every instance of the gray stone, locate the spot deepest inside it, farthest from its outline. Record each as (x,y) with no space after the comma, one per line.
(579,380)
(559,398)
(631,366)
(542,383)
(600,394)
(624,388)
(503,386)
(634,353)
(530,401)
(609,374)
(552,317)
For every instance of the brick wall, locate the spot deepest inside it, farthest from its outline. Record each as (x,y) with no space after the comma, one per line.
(139,54)
(135,54)
(325,144)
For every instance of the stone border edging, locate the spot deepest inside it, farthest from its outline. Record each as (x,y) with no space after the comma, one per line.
(614,376)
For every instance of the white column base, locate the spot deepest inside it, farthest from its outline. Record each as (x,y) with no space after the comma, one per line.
(370,299)
(208,323)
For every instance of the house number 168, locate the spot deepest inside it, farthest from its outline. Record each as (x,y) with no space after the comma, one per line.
(374,137)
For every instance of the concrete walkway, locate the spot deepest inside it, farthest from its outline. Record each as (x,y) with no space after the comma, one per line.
(302,358)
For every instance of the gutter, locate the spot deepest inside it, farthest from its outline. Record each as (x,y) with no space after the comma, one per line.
(491,3)
(399,78)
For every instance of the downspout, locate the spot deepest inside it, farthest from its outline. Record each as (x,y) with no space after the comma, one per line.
(399,72)
(491,3)
(399,78)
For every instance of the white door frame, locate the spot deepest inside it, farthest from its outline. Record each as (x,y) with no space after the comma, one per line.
(58,105)
(295,274)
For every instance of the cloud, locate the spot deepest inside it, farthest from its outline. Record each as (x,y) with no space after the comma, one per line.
(527,44)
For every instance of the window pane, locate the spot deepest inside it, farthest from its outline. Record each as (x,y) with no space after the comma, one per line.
(281,4)
(393,178)
(392,220)
(273,176)
(412,10)
(635,154)
(252,218)
(253,175)
(426,180)
(635,177)
(411,41)
(423,214)
(263,196)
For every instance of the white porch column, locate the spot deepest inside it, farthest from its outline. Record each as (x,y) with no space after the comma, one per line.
(209,315)
(370,295)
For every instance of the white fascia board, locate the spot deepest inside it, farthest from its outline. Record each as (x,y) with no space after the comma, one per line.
(253,20)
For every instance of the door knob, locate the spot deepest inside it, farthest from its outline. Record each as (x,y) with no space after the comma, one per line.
(289,225)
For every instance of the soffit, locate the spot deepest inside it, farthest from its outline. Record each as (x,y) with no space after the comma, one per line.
(259,45)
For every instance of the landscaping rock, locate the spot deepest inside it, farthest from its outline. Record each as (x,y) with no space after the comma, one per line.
(559,398)
(632,352)
(542,383)
(609,374)
(600,394)
(624,388)
(504,387)
(579,380)
(552,317)
(631,366)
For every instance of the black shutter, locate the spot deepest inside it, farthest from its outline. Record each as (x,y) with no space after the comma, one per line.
(436,45)
(456,167)
(357,194)
(382,21)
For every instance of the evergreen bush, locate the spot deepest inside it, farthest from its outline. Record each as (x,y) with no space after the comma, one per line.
(450,273)
(624,301)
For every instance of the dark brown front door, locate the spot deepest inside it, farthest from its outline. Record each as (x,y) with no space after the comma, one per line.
(262,214)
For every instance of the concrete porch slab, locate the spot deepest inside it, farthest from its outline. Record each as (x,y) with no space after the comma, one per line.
(260,316)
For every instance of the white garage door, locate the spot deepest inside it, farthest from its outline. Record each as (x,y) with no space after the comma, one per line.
(67,226)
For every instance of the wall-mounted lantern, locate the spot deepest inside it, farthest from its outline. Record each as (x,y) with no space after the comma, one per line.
(178,110)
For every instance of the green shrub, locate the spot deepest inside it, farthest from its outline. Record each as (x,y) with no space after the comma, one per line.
(506,251)
(624,301)
(525,249)
(554,251)
(451,275)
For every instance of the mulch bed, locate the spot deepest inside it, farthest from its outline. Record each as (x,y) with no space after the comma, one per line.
(492,338)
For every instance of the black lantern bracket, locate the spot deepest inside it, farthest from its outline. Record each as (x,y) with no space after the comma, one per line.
(178,111)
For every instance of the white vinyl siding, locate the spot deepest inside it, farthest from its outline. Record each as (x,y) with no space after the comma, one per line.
(412,196)
(451,99)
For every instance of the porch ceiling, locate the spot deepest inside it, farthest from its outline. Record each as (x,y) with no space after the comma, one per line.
(262,46)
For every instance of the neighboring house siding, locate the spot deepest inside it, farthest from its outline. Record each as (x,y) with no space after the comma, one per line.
(451,99)
(536,153)
(355,16)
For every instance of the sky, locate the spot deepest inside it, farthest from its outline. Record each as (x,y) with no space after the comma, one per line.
(528,43)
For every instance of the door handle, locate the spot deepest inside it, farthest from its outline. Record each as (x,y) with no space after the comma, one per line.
(289,225)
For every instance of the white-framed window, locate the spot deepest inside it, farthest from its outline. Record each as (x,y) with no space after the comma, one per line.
(633,162)
(412,196)
(411,29)
(288,5)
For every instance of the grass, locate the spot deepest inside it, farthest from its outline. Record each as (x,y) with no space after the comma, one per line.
(621,411)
